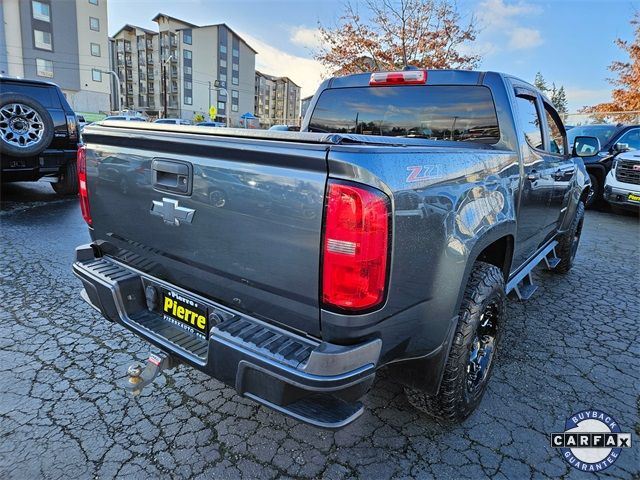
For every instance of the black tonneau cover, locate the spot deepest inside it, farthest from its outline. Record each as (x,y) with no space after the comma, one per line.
(299,137)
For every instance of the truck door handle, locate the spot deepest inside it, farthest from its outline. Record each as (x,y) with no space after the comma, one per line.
(533,176)
(172,176)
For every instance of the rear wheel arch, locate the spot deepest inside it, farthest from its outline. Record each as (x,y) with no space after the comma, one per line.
(495,247)
(499,253)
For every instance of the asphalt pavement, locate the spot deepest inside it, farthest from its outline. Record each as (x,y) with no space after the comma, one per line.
(574,345)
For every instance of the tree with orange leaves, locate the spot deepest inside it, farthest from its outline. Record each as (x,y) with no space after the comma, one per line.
(422,33)
(626,96)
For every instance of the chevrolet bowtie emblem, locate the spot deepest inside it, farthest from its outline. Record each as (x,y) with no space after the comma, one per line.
(171,212)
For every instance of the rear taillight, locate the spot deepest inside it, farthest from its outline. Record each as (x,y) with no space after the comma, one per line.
(82,184)
(355,247)
(408,77)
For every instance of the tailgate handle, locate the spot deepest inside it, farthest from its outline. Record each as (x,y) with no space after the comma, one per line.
(172,176)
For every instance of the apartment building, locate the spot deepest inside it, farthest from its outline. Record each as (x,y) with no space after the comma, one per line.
(137,63)
(65,42)
(186,67)
(277,100)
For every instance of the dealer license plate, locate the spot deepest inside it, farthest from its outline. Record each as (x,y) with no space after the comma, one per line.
(632,197)
(185,312)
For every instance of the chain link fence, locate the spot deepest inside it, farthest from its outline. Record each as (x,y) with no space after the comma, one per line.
(578,118)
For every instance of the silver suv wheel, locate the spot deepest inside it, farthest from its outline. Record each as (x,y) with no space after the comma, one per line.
(20,125)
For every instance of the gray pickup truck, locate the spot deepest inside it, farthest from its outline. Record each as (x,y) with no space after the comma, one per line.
(294,265)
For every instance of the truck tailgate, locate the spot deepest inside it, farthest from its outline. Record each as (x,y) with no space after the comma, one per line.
(236,220)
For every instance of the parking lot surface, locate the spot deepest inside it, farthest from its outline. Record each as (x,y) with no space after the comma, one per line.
(573,346)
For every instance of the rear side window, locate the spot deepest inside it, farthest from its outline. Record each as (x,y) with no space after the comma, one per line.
(529,121)
(44,95)
(458,113)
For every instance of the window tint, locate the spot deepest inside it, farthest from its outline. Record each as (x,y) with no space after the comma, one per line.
(631,138)
(44,68)
(41,11)
(459,113)
(186,36)
(529,121)
(555,133)
(603,132)
(44,95)
(42,40)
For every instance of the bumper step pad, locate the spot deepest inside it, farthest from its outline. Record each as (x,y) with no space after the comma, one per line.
(262,361)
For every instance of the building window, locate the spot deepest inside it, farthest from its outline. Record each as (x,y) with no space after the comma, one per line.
(187,54)
(221,107)
(223,49)
(187,70)
(44,68)
(235,53)
(188,100)
(223,78)
(234,94)
(186,36)
(94,24)
(41,11)
(234,80)
(187,85)
(223,63)
(235,67)
(96,75)
(234,107)
(95,49)
(93,2)
(42,40)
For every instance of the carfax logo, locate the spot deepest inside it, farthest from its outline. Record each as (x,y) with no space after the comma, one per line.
(592,440)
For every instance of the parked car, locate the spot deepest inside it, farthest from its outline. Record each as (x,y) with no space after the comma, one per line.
(173,121)
(622,186)
(125,118)
(294,265)
(81,121)
(38,134)
(285,128)
(212,124)
(599,161)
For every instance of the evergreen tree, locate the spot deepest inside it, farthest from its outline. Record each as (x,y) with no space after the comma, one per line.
(559,100)
(540,83)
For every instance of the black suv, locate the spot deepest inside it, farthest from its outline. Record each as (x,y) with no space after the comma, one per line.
(38,134)
(614,139)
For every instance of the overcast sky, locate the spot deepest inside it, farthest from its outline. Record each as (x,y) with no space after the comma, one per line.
(571,42)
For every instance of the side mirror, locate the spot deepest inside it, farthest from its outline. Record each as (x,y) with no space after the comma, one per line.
(586,146)
(621,147)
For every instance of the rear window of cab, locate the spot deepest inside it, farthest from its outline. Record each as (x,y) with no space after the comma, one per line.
(436,112)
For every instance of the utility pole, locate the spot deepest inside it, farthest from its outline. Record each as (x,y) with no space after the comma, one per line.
(115,75)
(209,106)
(164,83)
(217,86)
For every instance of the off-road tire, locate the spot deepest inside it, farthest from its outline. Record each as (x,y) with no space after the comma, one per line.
(454,402)
(67,183)
(568,242)
(595,197)
(7,147)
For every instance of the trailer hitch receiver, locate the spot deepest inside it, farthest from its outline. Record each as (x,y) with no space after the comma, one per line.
(138,378)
